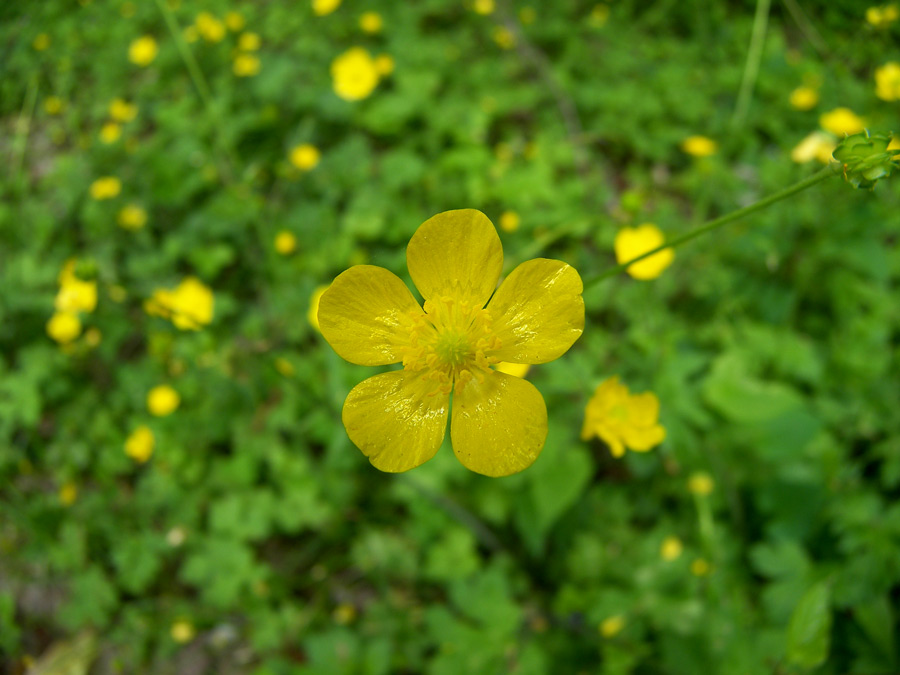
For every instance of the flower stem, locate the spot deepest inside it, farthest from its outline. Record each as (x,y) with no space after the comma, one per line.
(831,170)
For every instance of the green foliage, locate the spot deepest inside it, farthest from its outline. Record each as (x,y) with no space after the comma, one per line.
(257,526)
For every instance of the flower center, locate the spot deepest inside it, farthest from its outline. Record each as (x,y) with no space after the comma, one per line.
(451,343)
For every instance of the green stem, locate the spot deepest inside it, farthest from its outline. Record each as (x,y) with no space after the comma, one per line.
(754,56)
(831,170)
(23,128)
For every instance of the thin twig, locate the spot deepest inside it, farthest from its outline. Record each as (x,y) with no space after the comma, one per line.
(751,67)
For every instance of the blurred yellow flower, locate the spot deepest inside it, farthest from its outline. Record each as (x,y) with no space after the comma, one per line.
(818,145)
(671,548)
(621,419)
(699,567)
(612,626)
(64,327)
(882,17)
(41,42)
(93,337)
(323,7)
(285,367)
(162,400)
(142,51)
(514,369)
(699,146)
(344,614)
(209,27)
(189,306)
(371,22)
(894,145)
(246,65)
(234,21)
(701,483)
(132,217)
(122,111)
(509,221)
(182,631)
(887,81)
(384,64)
(369,317)
(483,7)
(631,242)
(527,15)
(74,294)
(312,314)
(110,132)
(841,121)
(354,75)
(599,16)
(53,105)
(249,42)
(305,156)
(285,242)
(504,37)
(68,493)
(804,98)
(139,445)
(106,187)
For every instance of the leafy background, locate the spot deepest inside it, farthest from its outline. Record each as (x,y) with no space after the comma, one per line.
(772,346)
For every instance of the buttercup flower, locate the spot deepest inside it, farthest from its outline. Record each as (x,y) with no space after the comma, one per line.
(499,422)
(139,445)
(621,419)
(106,187)
(162,400)
(132,217)
(182,631)
(818,145)
(882,17)
(74,294)
(701,483)
(285,242)
(68,493)
(64,327)
(371,22)
(189,306)
(354,74)
(515,369)
(384,64)
(249,42)
(323,7)
(483,7)
(246,65)
(699,146)
(612,626)
(122,111)
(631,242)
(41,42)
(305,157)
(671,548)
(509,221)
(841,121)
(143,51)
(110,132)
(699,567)
(53,105)
(234,21)
(887,81)
(804,98)
(599,16)
(209,27)
(504,37)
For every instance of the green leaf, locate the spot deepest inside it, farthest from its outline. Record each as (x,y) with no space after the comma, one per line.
(809,632)
(740,397)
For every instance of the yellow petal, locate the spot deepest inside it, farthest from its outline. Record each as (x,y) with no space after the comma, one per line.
(363,315)
(538,311)
(456,254)
(498,426)
(641,439)
(393,420)
(643,409)
(631,242)
(609,393)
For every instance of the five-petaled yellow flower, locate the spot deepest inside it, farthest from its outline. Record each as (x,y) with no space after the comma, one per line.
(841,121)
(631,242)
(369,316)
(699,146)
(354,74)
(143,51)
(139,445)
(189,305)
(887,81)
(621,419)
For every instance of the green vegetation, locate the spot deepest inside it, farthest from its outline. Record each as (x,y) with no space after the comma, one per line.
(204,178)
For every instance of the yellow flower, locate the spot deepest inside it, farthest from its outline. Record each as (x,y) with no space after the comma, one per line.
(842,121)
(701,483)
(182,631)
(612,626)
(369,317)
(344,614)
(41,42)
(887,81)
(514,369)
(599,16)
(527,15)
(74,294)
(143,50)
(818,145)
(882,17)
(122,111)
(699,567)
(621,419)
(631,242)
(162,400)
(64,327)
(894,145)
(189,306)
(249,42)
(323,7)
(699,146)
(285,367)
(305,157)
(371,22)
(234,21)
(110,132)
(68,493)
(209,27)
(106,188)
(285,242)
(671,548)
(132,217)
(139,445)
(384,64)
(504,37)
(483,7)
(509,221)
(313,313)
(53,105)
(354,75)
(804,98)
(93,337)
(246,65)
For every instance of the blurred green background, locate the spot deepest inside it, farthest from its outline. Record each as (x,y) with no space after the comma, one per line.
(255,538)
